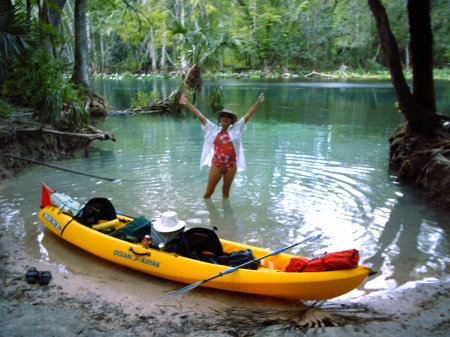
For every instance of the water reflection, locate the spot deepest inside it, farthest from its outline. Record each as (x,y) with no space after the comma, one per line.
(224,220)
(407,246)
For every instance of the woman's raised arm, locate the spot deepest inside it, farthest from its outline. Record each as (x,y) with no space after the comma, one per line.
(185,102)
(254,107)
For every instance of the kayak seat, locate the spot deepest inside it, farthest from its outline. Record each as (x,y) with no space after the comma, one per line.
(95,210)
(196,242)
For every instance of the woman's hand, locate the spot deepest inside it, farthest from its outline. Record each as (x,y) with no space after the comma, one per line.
(260,98)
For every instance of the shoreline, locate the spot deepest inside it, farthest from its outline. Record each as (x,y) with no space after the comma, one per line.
(75,304)
(340,74)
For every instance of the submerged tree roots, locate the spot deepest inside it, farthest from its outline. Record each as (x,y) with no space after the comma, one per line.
(423,161)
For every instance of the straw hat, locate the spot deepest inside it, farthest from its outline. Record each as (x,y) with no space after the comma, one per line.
(227,113)
(168,222)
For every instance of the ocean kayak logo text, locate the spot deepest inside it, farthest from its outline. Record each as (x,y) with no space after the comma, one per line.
(129,256)
(52,221)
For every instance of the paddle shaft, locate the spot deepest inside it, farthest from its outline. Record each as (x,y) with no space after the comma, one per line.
(231,270)
(58,167)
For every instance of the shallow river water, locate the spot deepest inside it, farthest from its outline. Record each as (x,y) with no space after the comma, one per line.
(317,158)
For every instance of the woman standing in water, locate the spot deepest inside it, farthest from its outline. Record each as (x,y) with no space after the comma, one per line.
(222,147)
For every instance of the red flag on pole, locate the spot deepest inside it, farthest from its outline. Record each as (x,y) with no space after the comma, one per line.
(46,191)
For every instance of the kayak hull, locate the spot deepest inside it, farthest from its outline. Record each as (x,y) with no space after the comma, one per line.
(268,279)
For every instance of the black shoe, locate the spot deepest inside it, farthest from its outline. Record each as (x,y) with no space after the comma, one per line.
(32,275)
(44,278)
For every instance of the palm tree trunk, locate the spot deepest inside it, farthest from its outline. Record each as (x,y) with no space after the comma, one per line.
(80,73)
(153,51)
(102,53)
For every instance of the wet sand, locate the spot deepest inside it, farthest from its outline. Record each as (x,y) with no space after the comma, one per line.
(92,301)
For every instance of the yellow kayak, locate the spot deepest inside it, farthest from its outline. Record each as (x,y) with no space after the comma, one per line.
(268,279)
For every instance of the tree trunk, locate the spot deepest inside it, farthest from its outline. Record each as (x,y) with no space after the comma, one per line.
(92,48)
(94,103)
(162,62)
(7,4)
(153,51)
(420,149)
(50,13)
(422,53)
(54,13)
(102,53)
(67,30)
(80,74)
(420,118)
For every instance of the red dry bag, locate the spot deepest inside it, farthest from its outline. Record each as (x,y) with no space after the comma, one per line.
(345,259)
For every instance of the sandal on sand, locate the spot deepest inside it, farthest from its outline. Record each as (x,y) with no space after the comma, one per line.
(32,275)
(44,278)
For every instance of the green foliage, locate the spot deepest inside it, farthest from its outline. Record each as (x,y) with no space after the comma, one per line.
(265,34)
(34,77)
(5,108)
(216,98)
(372,66)
(49,107)
(117,51)
(145,99)
(78,116)
(441,27)
(15,36)
(38,81)
(73,101)
(441,74)
(219,36)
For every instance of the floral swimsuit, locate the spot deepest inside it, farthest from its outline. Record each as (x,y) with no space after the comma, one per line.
(224,154)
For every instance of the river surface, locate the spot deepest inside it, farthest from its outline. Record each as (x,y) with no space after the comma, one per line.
(317,157)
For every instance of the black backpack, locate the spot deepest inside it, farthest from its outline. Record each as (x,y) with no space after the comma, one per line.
(195,242)
(96,209)
(204,245)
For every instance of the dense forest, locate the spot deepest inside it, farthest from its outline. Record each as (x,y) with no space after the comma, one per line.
(44,41)
(155,35)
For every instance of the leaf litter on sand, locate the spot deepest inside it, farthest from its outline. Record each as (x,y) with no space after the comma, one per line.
(301,317)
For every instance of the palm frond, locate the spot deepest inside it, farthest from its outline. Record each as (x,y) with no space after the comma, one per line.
(49,108)
(216,98)
(14,35)
(78,116)
(176,27)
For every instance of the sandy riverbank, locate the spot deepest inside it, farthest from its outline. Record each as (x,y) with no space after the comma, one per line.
(76,304)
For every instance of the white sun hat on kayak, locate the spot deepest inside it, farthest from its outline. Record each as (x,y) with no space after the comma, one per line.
(168,222)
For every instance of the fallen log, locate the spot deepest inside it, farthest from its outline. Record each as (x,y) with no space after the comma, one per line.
(163,106)
(98,134)
(315,73)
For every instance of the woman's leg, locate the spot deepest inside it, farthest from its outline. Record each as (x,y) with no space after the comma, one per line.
(227,181)
(214,177)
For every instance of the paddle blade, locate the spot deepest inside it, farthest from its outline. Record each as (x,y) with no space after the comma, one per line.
(45,195)
(185,289)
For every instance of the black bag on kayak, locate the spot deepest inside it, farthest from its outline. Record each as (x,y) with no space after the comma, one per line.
(204,245)
(239,257)
(96,209)
(196,242)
